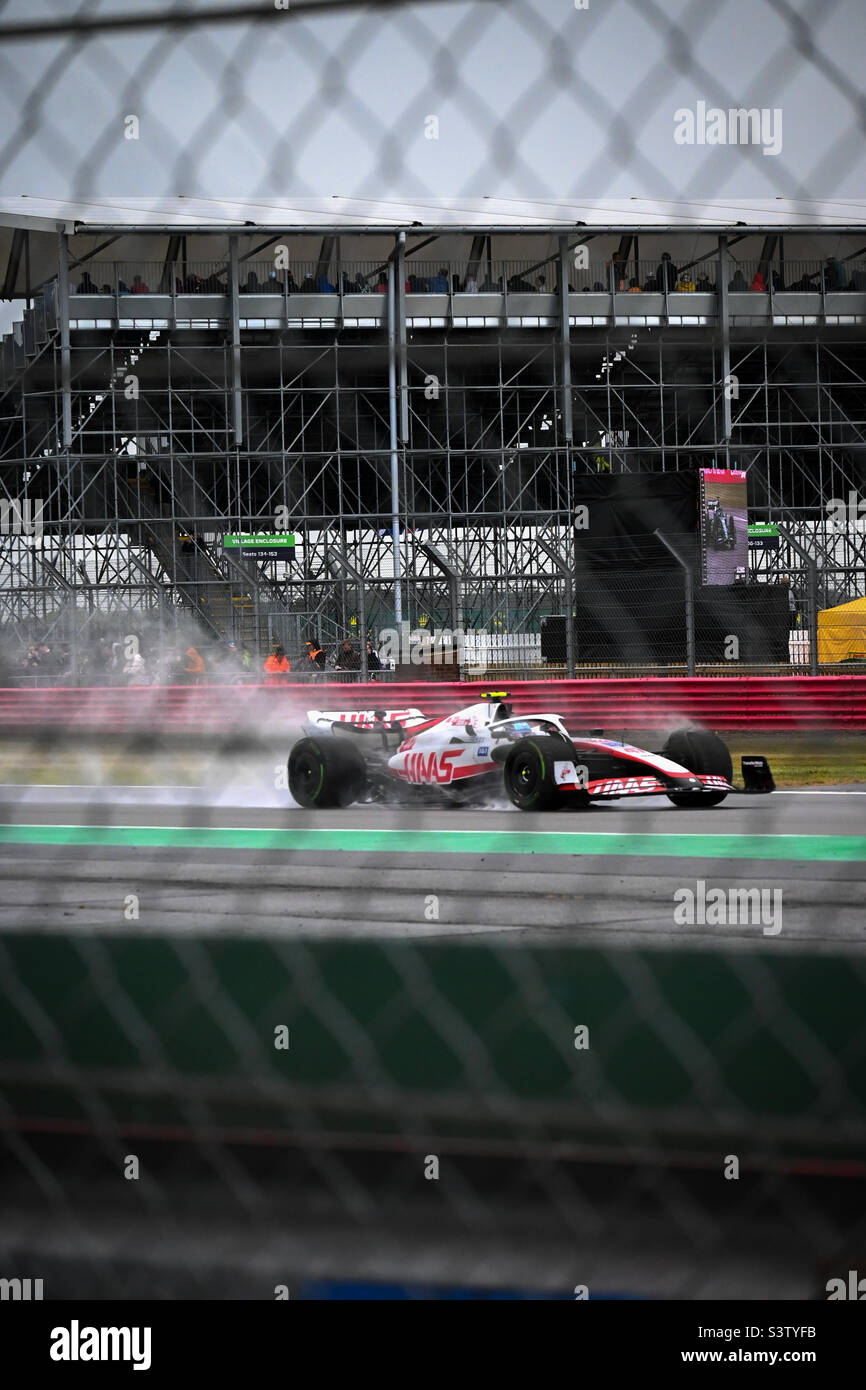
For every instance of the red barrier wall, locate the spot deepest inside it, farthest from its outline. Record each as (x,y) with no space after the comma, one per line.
(734,702)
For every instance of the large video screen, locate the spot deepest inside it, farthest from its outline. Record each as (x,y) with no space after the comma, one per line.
(724,525)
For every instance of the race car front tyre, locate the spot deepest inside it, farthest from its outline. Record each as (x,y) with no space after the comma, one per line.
(325,772)
(702,753)
(530,774)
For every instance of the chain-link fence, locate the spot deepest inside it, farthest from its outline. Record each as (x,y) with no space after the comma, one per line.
(625,622)
(247,1052)
(659,100)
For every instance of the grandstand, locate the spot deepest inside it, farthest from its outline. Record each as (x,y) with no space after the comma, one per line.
(410,392)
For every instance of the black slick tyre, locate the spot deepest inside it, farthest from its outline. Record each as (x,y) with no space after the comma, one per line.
(702,753)
(529,774)
(325,772)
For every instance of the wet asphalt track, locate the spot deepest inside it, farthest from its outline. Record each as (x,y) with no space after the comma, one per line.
(610,893)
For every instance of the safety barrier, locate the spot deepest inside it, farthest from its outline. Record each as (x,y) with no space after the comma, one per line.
(784,702)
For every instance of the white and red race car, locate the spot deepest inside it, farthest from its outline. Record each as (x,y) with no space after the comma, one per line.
(399,755)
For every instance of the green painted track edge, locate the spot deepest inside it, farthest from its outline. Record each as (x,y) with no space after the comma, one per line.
(850,848)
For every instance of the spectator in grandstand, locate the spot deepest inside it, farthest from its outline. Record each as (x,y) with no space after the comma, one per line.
(667,274)
(349,286)
(858,281)
(617,270)
(138,286)
(778,282)
(541,284)
(382,283)
(308,285)
(194,668)
(87,286)
(347,659)
(373,660)
(518,285)
(738,283)
(192,285)
(704,284)
(277,667)
(835,275)
(439,282)
(251,284)
(634,285)
(273,284)
(759,284)
(471,286)
(324,286)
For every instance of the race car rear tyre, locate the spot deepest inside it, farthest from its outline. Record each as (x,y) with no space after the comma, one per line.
(529,773)
(700,752)
(325,772)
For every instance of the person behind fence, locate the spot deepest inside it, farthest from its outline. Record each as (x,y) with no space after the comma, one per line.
(667,274)
(315,659)
(277,667)
(617,269)
(835,274)
(347,659)
(194,668)
(134,669)
(374,661)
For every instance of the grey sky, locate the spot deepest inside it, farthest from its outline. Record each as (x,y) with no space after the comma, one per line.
(534,98)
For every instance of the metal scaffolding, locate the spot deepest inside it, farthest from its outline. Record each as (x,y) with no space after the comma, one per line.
(150,424)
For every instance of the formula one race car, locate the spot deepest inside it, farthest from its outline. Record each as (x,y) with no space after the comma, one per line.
(721,526)
(400,756)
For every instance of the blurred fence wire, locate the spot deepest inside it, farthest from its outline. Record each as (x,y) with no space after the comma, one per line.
(236,1060)
(589,95)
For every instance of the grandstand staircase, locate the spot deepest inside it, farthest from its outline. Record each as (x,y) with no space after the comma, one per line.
(227,600)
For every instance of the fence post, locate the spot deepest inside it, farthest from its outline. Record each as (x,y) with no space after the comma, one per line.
(812,589)
(690,601)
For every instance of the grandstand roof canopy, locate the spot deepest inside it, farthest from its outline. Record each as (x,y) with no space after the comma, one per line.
(449,214)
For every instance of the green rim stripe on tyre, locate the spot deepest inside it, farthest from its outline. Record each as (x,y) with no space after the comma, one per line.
(321,772)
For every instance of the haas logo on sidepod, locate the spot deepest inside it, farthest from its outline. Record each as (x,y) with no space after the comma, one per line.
(431,767)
